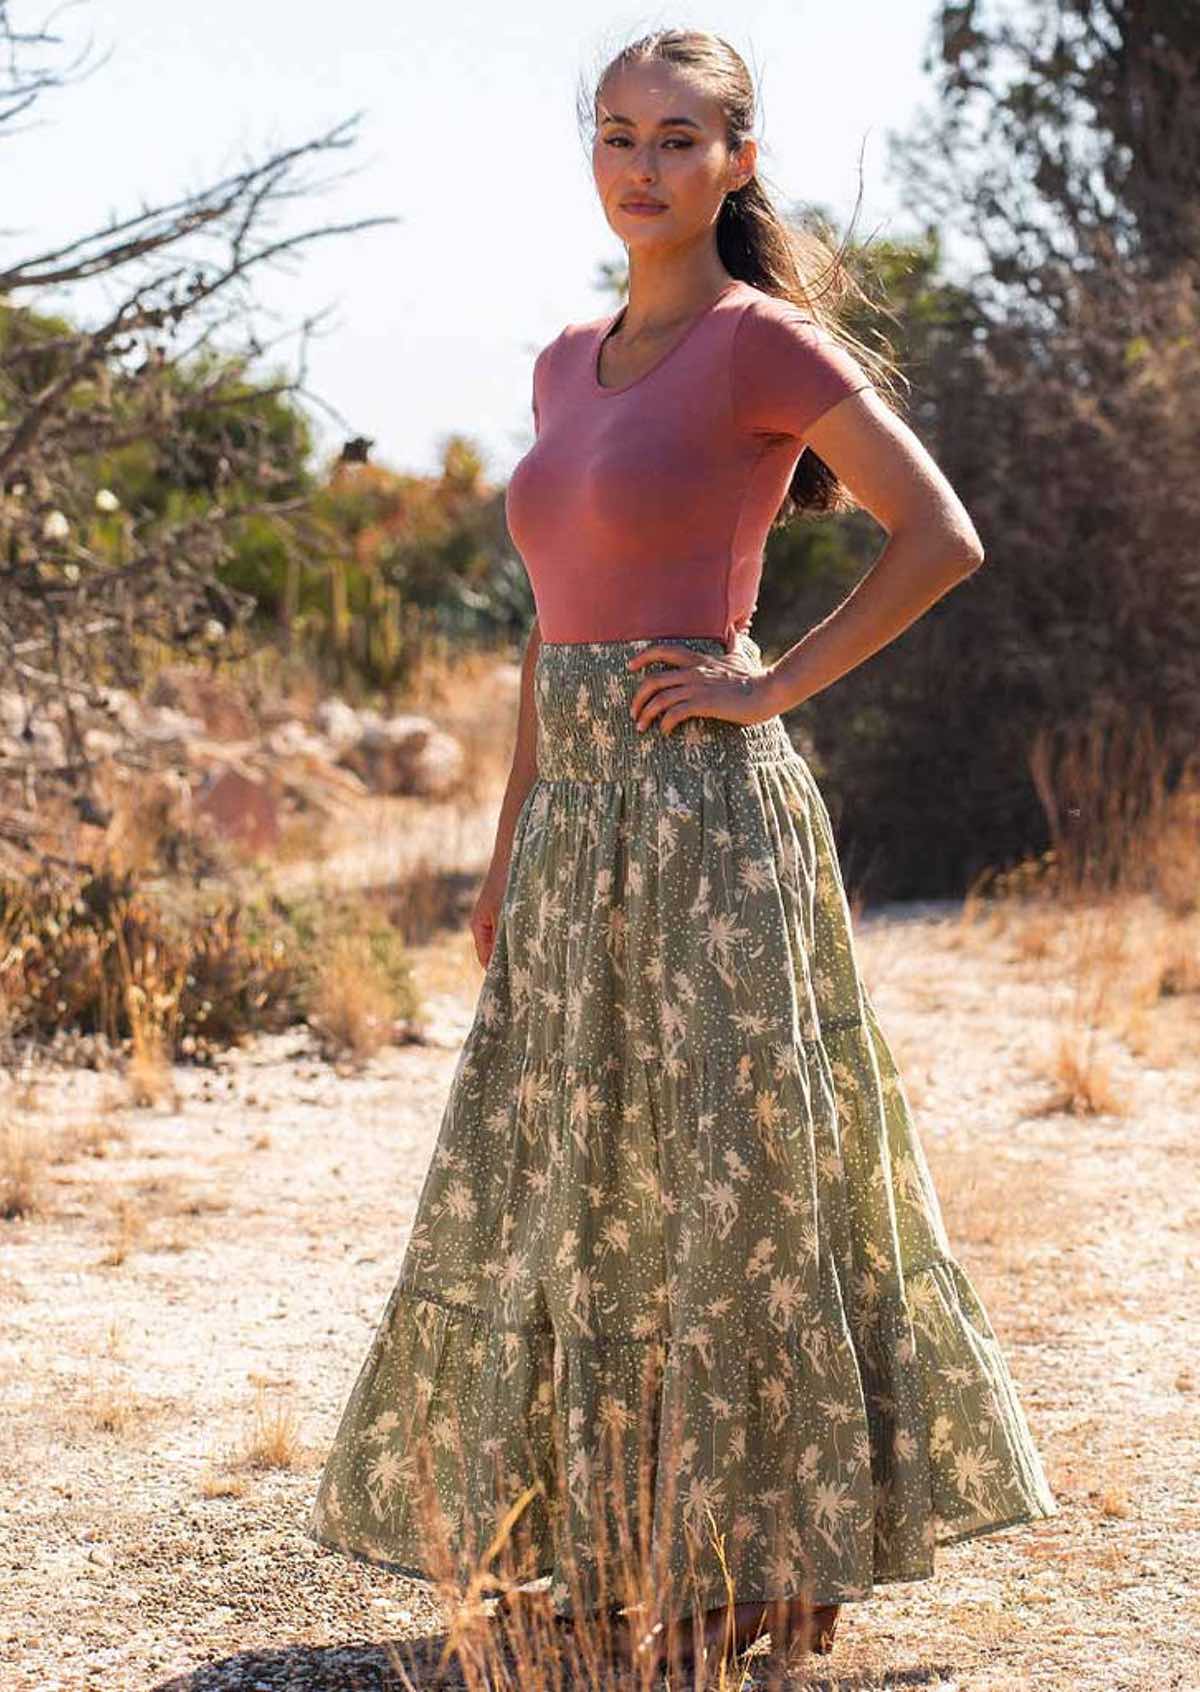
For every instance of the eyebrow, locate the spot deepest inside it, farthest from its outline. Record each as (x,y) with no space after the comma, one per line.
(662,122)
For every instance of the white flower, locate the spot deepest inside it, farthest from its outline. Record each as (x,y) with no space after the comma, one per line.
(71,572)
(214,631)
(106,500)
(55,526)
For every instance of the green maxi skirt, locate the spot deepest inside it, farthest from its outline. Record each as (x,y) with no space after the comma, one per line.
(678,1290)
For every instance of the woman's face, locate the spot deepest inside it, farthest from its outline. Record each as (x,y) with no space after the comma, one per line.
(661,141)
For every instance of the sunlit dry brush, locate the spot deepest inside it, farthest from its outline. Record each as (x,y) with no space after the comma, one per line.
(92,1137)
(474,695)
(352,1008)
(24,1153)
(1083,1076)
(152,985)
(501,1631)
(110,1406)
(425,902)
(1108,913)
(127,1227)
(272,1440)
(217,1482)
(115,1342)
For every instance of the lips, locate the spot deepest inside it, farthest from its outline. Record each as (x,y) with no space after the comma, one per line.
(643,205)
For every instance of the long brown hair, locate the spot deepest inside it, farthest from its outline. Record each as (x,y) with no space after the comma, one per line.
(754,242)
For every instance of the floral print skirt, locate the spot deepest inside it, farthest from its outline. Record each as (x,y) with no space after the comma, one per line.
(678,1295)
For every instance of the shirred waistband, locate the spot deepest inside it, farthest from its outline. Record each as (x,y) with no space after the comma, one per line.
(585,731)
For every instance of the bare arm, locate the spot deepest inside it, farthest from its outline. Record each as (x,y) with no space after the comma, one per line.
(524,764)
(932,545)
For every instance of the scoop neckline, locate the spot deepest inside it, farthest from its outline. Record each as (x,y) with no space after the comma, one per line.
(606,326)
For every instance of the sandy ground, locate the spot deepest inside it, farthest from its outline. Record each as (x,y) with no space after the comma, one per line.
(181,1328)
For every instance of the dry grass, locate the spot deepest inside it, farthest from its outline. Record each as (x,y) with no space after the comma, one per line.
(216,1482)
(1113,910)
(152,990)
(23,1157)
(474,696)
(353,1006)
(127,1229)
(1077,1288)
(500,1630)
(273,1440)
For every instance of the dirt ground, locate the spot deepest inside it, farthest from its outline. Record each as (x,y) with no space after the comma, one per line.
(183,1323)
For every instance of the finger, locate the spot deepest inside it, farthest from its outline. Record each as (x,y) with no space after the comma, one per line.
(651,687)
(678,714)
(661,700)
(665,652)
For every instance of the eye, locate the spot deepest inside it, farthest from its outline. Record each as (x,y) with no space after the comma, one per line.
(676,140)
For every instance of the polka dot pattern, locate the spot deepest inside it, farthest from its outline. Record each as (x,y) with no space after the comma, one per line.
(678,1277)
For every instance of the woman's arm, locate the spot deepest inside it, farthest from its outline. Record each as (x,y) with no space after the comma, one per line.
(524,764)
(932,545)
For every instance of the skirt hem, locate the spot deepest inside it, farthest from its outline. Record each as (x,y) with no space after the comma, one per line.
(413,1571)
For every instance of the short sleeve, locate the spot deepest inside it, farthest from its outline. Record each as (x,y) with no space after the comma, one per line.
(540,378)
(788,370)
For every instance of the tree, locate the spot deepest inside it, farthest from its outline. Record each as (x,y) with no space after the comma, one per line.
(94,418)
(1060,391)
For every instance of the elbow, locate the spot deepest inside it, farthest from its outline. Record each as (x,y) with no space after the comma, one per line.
(960,549)
(969,561)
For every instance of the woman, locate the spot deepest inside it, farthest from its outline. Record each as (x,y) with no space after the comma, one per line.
(678,1288)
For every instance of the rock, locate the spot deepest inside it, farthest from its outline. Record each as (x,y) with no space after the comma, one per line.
(215,701)
(339,723)
(13,713)
(102,742)
(291,739)
(46,742)
(315,786)
(241,807)
(406,754)
(164,725)
(122,707)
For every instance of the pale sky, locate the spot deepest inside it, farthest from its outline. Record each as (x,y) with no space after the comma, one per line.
(468,137)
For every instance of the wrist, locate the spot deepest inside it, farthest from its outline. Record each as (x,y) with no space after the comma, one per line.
(778,695)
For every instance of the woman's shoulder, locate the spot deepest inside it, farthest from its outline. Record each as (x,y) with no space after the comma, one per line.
(769,318)
(556,356)
(788,367)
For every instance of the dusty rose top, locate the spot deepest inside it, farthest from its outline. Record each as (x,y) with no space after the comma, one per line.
(641,510)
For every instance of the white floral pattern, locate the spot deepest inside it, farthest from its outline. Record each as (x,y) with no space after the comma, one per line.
(678,1205)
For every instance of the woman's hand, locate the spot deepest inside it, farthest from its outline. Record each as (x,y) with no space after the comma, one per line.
(486,913)
(729,685)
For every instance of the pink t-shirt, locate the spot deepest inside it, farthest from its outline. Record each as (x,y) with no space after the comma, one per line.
(641,511)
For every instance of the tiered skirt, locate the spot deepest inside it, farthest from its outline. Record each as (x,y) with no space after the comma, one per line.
(678,1291)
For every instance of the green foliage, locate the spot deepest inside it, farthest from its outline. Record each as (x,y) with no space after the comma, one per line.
(216,966)
(316,923)
(74,947)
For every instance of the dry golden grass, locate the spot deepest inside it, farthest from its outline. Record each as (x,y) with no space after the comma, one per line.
(216,1482)
(116,1342)
(353,1005)
(1111,911)
(500,1632)
(127,1228)
(152,993)
(475,697)
(273,1439)
(95,1136)
(111,1407)
(425,903)
(1083,1076)
(23,1157)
